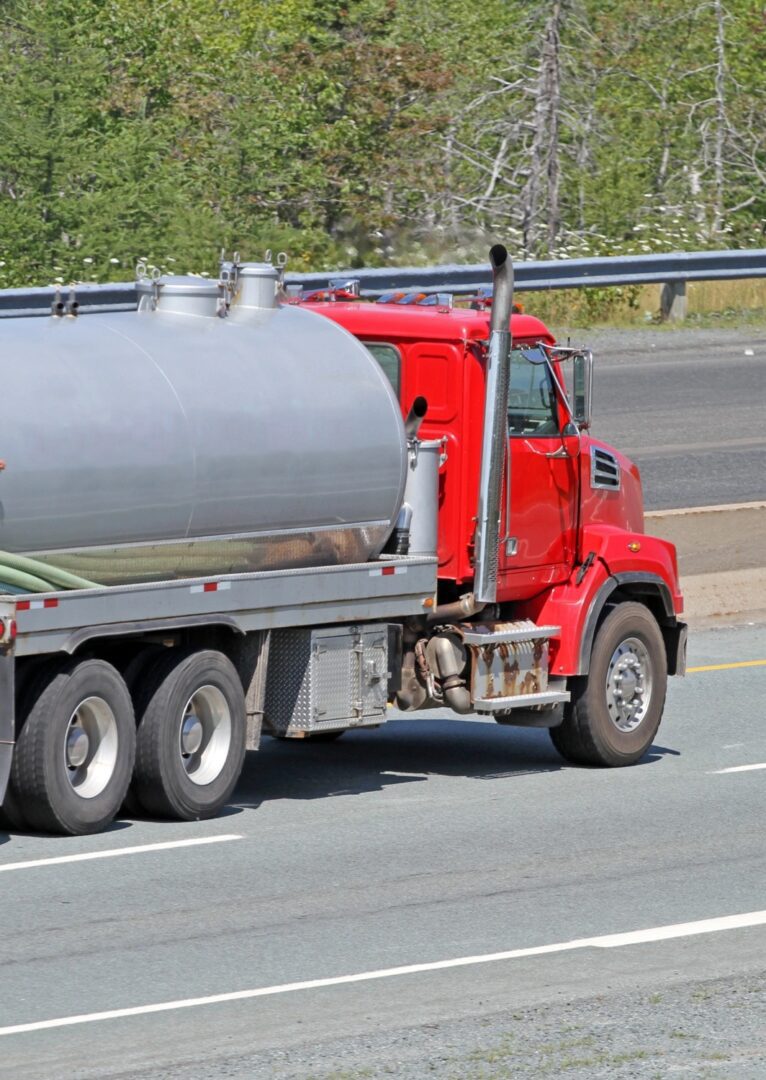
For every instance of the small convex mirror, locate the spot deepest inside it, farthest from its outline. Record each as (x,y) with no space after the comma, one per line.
(582,388)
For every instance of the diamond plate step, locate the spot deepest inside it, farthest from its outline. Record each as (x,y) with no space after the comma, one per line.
(520,701)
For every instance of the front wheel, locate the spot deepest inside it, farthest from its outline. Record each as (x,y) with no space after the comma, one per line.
(616,708)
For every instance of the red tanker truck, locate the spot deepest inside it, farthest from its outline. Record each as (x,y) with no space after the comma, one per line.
(451,537)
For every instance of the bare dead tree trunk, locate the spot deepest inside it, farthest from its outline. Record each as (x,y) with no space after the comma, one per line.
(552,61)
(449,194)
(662,170)
(544,151)
(720,118)
(583,159)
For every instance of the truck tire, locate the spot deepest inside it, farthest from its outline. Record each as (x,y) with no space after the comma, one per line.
(136,668)
(11,817)
(191,736)
(75,750)
(134,673)
(616,708)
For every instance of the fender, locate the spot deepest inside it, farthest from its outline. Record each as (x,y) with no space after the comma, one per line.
(635,554)
(647,574)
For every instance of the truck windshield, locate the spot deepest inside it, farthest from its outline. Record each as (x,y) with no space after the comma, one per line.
(531,399)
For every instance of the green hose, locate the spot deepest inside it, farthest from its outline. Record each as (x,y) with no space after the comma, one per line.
(31,575)
(25,582)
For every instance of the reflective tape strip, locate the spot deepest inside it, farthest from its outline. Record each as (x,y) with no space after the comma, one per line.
(211,586)
(33,605)
(386,571)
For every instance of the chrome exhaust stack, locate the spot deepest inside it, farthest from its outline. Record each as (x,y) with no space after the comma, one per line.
(495,433)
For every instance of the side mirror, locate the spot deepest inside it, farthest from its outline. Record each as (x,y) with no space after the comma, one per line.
(582,388)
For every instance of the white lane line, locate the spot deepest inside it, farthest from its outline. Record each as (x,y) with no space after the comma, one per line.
(606,941)
(739,768)
(113,853)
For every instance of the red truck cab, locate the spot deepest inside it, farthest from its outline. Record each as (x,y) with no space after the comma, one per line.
(572,544)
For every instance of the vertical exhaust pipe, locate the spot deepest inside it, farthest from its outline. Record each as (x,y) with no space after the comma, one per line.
(495,433)
(415,418)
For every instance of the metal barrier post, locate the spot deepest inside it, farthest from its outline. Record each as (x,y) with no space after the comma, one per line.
(673,301)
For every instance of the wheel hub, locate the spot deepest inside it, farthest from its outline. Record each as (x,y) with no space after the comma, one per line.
(77,747)
(629,684)
(191,735)
(205,735)
(91,747)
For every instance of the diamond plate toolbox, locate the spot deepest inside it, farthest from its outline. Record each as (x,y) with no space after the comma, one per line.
(325,679)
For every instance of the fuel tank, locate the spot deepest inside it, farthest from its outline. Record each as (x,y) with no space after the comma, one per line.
(172,441)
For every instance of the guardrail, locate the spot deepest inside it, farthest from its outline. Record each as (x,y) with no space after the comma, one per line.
(670,270)
(673,271)
(117,296)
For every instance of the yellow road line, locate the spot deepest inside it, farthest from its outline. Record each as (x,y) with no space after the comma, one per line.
(725,667)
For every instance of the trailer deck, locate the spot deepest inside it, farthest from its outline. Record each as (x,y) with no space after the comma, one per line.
(390,587)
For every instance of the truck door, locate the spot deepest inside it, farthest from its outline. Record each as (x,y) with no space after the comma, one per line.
(435,370)
(537,524)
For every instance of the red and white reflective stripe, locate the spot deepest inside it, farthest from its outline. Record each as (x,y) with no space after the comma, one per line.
(33,605)
(385,571)
(211,586)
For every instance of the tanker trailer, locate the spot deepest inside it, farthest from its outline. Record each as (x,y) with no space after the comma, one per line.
(181,483)
(173,442)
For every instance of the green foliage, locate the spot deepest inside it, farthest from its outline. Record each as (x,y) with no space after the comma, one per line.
(352,132)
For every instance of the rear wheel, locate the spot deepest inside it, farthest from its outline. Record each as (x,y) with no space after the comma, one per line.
(191,736)
(616,709)
(135,675)
(27,688)
(75,750)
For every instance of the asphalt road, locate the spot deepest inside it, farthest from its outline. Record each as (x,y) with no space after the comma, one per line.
(424,842)
(687,406)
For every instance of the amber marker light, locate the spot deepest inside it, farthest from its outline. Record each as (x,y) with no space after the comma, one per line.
(634,546)
(428,602)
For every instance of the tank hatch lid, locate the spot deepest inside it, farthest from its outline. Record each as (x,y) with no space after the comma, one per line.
(182,294)
(256,286)
(257,269)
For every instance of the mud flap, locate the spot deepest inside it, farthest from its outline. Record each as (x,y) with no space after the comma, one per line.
(675,647)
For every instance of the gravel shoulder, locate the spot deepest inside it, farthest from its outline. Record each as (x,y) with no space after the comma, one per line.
(709,1030)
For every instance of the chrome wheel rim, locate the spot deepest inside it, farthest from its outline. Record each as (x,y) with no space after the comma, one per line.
(204,735)
(629,684)
(91,745)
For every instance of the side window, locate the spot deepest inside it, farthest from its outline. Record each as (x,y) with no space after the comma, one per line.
(389,359)
(531,400)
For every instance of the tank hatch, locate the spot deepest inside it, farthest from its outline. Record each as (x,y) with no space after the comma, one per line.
(181,295)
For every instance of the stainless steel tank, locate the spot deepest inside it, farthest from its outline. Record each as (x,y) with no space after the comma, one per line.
(174,442)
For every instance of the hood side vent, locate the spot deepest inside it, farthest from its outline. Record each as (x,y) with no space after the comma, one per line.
(604,469)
